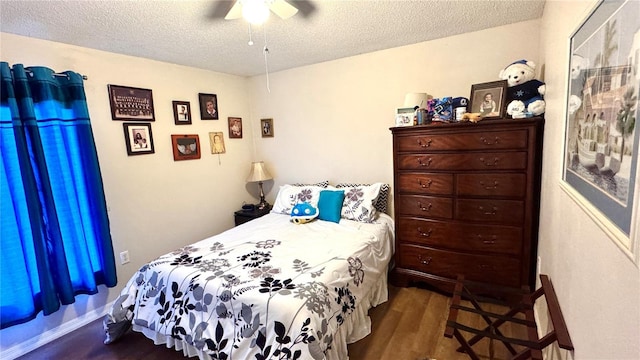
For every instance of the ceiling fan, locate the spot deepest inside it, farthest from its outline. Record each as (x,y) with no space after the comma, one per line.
(257,11)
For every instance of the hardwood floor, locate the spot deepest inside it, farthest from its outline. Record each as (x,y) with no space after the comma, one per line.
(410,326)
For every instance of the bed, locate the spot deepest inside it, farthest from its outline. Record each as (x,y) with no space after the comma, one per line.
(267,289)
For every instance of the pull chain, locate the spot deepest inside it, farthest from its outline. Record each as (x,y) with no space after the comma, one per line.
(250,38)
(266,52)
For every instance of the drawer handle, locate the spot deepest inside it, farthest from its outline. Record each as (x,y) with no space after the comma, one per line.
(426,261)
(488,242)
(423,208)
(425,185)
(493,211)
(427,164)
(489,163)
(426,144)
(425,234)
(487,142)
(490,187)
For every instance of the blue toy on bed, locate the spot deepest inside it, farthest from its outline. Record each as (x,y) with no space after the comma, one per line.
(303,213)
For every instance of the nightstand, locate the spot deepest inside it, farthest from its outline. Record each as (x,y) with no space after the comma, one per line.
(242,216)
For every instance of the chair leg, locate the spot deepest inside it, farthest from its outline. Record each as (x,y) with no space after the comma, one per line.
(464,346)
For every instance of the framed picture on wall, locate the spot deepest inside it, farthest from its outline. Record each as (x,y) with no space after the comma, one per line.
(266,126)
(489,99)
(185,147)
(181,112)
(217,142)
(130,103)
(235,128)
(600,171)
(208,106)
(138,138)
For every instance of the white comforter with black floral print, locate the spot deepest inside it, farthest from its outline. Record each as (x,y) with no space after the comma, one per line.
(268,289)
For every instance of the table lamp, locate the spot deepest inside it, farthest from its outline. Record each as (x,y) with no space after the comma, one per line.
(259,174)
(418,101)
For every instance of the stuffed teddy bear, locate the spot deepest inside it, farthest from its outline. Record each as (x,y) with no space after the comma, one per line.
(524,93)
(579,66)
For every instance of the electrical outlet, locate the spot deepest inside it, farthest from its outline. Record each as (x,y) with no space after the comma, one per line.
(124,257)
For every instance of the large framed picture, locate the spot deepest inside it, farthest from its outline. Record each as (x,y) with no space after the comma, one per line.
(181,112)
(267,127)
(600,171)
(130,103)
(489,99)
(138,138)
(235,128)
(185,147)
(208,106)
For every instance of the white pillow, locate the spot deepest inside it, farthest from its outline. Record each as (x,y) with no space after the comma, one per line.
(359,202)
(289,195)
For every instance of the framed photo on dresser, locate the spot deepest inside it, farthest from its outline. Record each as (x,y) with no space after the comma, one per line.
(489,99)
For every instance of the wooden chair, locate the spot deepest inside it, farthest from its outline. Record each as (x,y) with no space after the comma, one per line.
(532,345)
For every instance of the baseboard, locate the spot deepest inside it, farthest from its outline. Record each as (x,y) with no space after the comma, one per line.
(53,334)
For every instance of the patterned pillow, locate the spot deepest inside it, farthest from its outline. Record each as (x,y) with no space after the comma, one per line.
(322,184)
(381,202)
(289,195)
(359,202)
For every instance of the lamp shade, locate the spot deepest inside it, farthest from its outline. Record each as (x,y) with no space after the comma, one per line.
(411,100)
(258,172)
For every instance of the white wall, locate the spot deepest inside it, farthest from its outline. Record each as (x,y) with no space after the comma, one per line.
(332,120)
(597,284)
(156,204)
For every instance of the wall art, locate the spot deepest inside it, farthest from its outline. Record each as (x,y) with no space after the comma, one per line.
(600,171)
(130,103)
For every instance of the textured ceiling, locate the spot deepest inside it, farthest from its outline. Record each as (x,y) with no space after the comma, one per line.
(193,33)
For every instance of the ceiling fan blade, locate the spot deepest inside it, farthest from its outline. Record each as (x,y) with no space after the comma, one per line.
(283,9)
(305,7)
(235,12)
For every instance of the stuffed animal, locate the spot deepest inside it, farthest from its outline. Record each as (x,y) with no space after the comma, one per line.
(303,213)
(473,117)
(579,66)
(524,93)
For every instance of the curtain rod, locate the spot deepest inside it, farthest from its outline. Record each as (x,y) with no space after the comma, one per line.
(84,77)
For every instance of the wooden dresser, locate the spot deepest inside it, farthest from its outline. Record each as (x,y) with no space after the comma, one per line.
(467,202)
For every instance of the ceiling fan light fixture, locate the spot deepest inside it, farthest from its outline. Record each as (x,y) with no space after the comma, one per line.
(255,12)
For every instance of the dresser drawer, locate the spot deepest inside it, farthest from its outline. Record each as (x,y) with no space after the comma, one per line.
(464,161)
(484,268)
(464,141)
(514,185)
(494,211)
(456,236)
(425,183)
(429,206)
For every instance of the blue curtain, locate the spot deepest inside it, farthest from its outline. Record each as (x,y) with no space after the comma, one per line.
(55,238)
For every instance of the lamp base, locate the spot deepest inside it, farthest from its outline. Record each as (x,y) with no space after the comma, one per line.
(263,203)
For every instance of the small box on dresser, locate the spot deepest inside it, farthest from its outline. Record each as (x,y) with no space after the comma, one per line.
(467,202)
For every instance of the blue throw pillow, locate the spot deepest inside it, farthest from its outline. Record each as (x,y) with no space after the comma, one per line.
(330,205)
